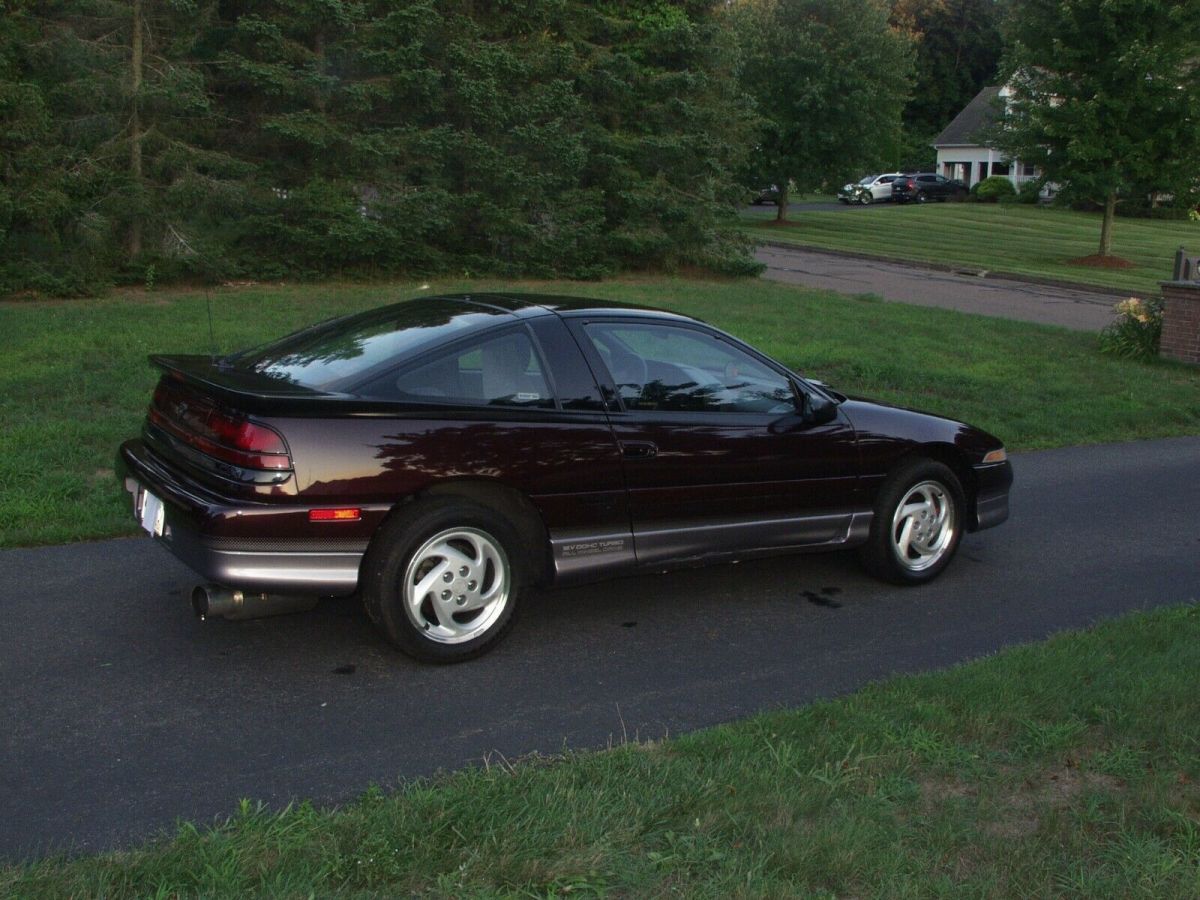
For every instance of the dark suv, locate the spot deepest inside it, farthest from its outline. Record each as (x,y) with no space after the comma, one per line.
(927,186)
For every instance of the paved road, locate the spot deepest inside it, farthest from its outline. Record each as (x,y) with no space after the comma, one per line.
(1006,298)
(121,712)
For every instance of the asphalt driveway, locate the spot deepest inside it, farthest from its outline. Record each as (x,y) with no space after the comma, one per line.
(1006,298)
(122,712)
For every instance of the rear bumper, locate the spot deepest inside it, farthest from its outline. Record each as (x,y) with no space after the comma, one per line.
(993,483)
(192,522)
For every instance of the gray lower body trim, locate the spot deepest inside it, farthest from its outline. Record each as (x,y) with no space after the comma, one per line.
(281,570)
(723,538)
(991,510)
(578,556)
(287,573)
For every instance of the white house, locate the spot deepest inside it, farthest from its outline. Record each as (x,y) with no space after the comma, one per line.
(961,151)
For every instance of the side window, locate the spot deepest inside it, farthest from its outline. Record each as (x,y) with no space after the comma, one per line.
(667,368)
(887,179)
(500,371)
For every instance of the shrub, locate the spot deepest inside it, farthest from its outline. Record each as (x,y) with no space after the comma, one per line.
(994,188)
(1029,191)
(1134,334)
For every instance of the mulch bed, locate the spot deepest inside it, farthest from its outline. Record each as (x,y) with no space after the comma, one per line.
(1096,261)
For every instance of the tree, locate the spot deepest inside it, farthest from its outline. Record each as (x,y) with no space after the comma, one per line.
(1105,96)
(957,51)
(830,78)
(307,138)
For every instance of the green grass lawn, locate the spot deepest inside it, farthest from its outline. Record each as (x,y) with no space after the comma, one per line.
(74,381)
(1068,769)
(1016,238)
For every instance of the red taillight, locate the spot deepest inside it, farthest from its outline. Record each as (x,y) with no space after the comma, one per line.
(199,422)
(245,435)
(350,514)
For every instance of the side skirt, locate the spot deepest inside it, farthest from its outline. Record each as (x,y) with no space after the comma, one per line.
(585,557)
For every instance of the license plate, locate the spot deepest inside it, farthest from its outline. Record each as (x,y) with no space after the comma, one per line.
(152,514)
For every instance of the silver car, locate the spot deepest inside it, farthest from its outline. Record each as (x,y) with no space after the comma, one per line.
(872,189)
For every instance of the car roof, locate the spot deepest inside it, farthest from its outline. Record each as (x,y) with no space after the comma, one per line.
(526,305)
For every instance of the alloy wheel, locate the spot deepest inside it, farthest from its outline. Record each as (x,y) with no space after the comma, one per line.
(923,526)
(457,585)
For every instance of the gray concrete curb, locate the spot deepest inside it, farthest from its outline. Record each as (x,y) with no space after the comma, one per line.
(954,270)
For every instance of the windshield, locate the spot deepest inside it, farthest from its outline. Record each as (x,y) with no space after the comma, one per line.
(325,355)
(870,179)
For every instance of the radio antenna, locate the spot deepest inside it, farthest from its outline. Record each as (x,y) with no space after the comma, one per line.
(186,249)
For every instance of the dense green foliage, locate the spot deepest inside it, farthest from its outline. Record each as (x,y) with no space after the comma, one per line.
(830,78)
(307,138)
(1136,331)
(993,188)
(958,48)
(1104,97)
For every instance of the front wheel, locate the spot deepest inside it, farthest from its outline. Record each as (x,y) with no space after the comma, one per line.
(865,198)
(919,518)
(442,578)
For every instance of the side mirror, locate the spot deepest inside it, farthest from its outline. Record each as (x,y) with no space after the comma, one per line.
(811,410)
(817,409)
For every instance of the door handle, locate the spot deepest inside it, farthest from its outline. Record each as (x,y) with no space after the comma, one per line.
(638,449)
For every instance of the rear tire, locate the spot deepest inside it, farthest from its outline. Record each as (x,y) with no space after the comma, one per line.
(919,518)
(442,579)
(921,198)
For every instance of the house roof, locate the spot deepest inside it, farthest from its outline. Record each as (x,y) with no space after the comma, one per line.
(976,116)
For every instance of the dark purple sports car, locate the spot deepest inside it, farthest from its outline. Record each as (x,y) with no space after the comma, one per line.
(441,455)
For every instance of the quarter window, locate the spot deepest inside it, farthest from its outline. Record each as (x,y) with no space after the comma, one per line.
(664,368)
(501,371)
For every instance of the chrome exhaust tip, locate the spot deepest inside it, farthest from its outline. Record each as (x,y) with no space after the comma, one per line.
(214,601)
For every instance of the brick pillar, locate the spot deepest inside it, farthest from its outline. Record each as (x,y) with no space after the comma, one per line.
(1181,321)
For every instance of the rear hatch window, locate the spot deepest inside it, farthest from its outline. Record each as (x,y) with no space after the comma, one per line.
(343,352)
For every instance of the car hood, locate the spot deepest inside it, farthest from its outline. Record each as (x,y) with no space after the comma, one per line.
(874,421)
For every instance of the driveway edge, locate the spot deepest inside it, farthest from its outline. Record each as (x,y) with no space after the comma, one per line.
(954,270)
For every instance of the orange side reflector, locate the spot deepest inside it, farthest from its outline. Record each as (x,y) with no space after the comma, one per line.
(352,514)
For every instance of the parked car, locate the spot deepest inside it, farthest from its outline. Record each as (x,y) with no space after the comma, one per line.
(871,189)
(768,194)
(441,455)
(927,186)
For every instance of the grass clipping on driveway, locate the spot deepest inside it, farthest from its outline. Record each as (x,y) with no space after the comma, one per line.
(1070,768)
(74,381)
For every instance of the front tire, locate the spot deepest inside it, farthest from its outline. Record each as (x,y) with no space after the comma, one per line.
(919,518)
(865,198)
(442,579)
